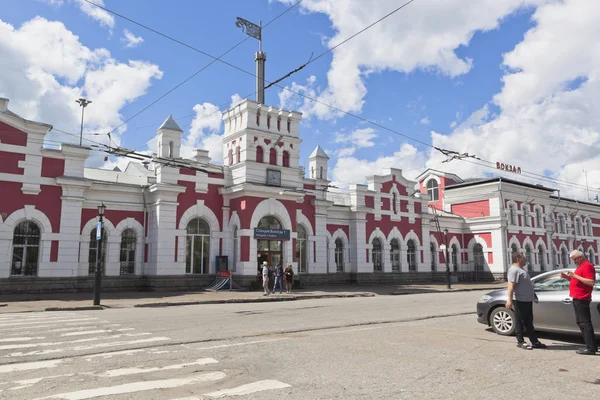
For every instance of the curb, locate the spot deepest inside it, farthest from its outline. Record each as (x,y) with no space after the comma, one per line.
(83,308)
(252,300)
(3,305)
(420,291)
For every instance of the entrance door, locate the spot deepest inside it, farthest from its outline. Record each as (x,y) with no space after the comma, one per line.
(269,251)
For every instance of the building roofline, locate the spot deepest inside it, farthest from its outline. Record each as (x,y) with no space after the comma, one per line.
(499,179)
(438,172)
(587,203)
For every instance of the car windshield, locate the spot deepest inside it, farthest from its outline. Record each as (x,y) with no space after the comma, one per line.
(553,282)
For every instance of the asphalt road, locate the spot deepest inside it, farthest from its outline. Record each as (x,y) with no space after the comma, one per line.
(387,347)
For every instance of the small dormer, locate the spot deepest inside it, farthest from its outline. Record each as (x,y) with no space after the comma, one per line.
(169,139)
(433,183)
(317,164)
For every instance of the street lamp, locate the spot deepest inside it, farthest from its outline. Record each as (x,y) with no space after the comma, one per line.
(83,103)
(448,284)
(99,238)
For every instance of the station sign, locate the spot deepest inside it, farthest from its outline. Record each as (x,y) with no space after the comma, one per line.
(508,167)
(271,234)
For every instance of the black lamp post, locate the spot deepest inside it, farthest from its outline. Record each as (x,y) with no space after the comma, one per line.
(99,239)
(448,278)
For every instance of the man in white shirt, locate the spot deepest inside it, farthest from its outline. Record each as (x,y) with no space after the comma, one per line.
(265,276)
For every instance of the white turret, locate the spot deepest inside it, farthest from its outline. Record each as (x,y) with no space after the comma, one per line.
(317,163)
(169,139)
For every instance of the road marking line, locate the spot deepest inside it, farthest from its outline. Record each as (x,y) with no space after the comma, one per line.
(29,366)
(135,370)
(27,383)
(260,386)
(221,346)
(21,339)
(113,353)
(86,332)
(73,324)
(137,387)
(124,343)
(53,321)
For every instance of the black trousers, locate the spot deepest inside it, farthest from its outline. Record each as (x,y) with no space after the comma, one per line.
(524,319)
(584,321)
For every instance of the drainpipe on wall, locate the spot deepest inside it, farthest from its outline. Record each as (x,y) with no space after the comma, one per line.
(144,233)
(504,232)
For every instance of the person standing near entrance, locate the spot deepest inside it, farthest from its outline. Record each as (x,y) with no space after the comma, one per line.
(580,289)
(289,279)
(265,276)
(278,278)
(519,285)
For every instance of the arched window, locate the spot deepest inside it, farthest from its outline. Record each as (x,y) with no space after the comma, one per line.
(26,249)
(197,255)
(478,257)
(127,256)
(578,227)
(432,190)
(591,257)
(542,258)
(514,248)
(590,231)
(433,252)
(512,211)
(339,255)
(230,157)
(93,252)
(301,248)
(268,122)
(258,118)
(289,125)
(455,257)
(270,251)
(554,261)
(526,220)
(394,205)
(236,242)
(286,159)
(312,172)
(376,254)
(529,257)
(395,254)
(562,226)
(411,255)
(259,154)
(538,218)
(171,144)
(273,157)
(321,172)
(278,124)
(237,154)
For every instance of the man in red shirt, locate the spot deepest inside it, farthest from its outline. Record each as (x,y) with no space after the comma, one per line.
(581,285)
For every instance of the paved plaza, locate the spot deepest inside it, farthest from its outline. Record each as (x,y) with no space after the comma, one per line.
(426,346)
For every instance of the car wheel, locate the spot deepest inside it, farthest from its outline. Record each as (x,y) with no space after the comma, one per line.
(502,321)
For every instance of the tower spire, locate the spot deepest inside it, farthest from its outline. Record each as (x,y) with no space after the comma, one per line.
(260,57)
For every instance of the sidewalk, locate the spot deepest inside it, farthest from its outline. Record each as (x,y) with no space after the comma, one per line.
(83,301)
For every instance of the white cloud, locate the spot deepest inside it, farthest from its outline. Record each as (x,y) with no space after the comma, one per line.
(424,35)
(235,100)
(358,138)
(46,68)
(205,132)
(103,17)
(130,39)
(352,170)
(425,121)
(345,152)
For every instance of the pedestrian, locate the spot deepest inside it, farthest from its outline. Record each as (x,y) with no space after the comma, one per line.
(278,278)
(519,285)
(265,277)
(289,279)
(580,289)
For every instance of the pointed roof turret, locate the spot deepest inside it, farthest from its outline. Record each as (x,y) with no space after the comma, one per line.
(320,153)
(170,124)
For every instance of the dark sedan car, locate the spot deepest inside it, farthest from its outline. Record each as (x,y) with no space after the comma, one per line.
(552,313)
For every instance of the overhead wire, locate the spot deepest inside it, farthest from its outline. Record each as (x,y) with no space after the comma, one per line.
(215,59)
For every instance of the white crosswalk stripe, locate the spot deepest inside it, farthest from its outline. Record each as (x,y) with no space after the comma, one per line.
(117,366)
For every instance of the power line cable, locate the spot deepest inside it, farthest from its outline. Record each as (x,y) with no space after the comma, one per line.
(215,59)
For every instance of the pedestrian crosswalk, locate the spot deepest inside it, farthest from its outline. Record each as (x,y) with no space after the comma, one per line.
(75,356)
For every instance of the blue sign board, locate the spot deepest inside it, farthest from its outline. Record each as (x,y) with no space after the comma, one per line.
(271,234)
(99,231)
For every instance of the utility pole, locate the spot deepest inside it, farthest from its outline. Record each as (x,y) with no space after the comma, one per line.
(83,103)
(448,276)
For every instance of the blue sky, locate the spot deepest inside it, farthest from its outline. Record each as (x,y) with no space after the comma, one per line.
(432,71)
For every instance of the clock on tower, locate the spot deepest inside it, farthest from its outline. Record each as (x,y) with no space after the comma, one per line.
(273,177)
